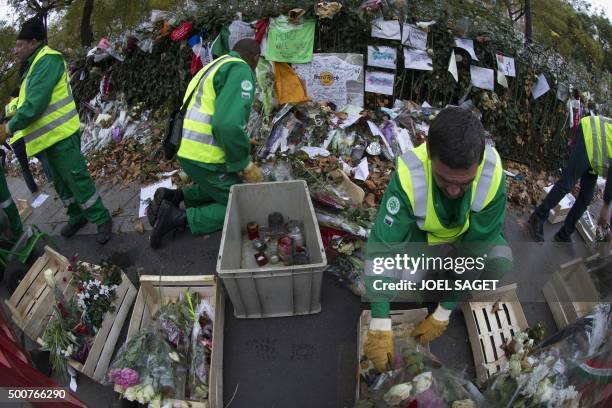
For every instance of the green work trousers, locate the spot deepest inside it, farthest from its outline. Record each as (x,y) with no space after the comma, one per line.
(206,199)
(73,182)
(9,207)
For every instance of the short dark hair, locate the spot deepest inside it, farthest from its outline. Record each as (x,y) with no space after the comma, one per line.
(456,138)
(247,48)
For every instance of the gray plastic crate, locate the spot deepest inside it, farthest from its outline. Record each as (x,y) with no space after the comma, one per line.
(272,290)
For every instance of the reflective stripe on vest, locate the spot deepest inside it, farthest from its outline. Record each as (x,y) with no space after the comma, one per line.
(597,133)
(198,142)
(414,170)
(6,203)
(60,119)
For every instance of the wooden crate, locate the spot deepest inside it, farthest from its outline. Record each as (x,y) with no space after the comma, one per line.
(571,292)
(159,290)
(488,330)
(32,302)
(24,209)
(398,317)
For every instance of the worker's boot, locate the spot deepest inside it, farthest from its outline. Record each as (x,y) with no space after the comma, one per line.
(169,218)
(536,228)
(161,194)
(69,230)
(563,236)
(105,232)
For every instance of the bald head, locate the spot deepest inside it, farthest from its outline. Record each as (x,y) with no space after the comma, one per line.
(249,51)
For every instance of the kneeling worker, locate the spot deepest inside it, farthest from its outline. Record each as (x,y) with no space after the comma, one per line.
(215,149)
(450,190)
(48,122)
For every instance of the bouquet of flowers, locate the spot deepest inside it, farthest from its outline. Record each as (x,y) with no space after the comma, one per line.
(75,321)
(568,370)
(417,379)
(171,359)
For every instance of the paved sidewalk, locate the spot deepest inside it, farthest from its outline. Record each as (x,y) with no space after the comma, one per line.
(51,215)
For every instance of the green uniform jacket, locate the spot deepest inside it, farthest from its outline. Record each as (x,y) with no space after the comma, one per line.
(486,226)
(42,80)
(232,109)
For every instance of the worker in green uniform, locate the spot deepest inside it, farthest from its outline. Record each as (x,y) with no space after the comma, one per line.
(215,149)
(449,191)
(48,122)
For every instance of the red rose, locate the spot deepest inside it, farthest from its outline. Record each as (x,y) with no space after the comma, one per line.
(81,329)
(69,269)
(60,306)
(65,313)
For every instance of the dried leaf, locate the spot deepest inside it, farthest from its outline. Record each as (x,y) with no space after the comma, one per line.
(117,211)
(139,226)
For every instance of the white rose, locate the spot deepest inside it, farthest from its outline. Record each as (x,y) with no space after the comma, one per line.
(49,277)
(174,356)
(397,394)
(422,382)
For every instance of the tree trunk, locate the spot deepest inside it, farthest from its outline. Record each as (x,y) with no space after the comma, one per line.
(87,36)
(528,28)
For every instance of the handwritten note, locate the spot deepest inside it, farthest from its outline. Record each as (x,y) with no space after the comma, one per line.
(482,77)
(506,65)
(379,82)
(387,29)
(289,42)
(417,59)
(541,87)
(452,66)
(337,78)
(239,30)
(413,37)
(468,45)
(382,56)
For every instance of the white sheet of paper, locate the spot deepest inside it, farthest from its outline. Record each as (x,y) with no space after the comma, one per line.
(354,113)
(239,30)
(362,172)
(541,87)
(417,59)
(39,200)
(403,139)
(452,66)
(424,24)
(379,82)
(147,193)
(377,132)
(382,56)
(501,79)
(505,65)
(468,45)
(562,92)
(483,78)
(414,37)
(314,151)
(388,29)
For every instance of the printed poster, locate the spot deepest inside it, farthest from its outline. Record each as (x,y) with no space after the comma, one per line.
(506,65)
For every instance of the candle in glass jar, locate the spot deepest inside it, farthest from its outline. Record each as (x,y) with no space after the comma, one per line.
(252,230)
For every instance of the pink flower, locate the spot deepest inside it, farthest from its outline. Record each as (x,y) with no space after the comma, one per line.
(126,377)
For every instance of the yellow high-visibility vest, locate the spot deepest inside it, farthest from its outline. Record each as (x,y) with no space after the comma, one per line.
(597,132)
(416,179)
(59,121)
(198,142)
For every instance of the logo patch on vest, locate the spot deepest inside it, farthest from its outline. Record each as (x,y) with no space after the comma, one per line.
(246,95)
(388,220)
(246,85)
(393,205)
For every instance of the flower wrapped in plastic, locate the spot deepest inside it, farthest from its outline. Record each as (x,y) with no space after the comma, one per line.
(569,369)
(201,351)
(418,379)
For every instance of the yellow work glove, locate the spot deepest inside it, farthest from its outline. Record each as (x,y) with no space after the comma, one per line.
(378,347)
(5,133)
(433,326)
(252,174)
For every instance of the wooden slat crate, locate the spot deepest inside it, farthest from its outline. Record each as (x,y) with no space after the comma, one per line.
(24,209)
(33,300)
(159,290)
(414,316)
(492,319)
(571,292)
